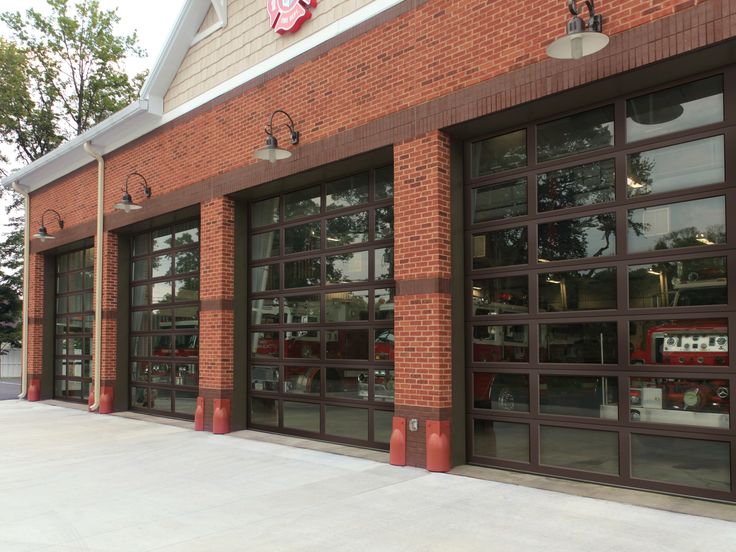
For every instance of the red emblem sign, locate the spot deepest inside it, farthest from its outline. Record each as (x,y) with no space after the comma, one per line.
(288,15)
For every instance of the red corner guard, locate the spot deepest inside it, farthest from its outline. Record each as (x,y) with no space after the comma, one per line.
(199,415)
(438,446)
(221,417)
(106,396)
(397,455)
(34,389)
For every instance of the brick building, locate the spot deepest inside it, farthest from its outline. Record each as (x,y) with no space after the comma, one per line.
(475,253)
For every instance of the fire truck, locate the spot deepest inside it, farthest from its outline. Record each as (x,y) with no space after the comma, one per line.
(500,343)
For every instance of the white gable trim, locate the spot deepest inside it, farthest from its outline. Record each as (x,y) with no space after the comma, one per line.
(220,7)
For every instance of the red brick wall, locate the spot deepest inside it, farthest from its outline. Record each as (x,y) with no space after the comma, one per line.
(109,307)
(36,309)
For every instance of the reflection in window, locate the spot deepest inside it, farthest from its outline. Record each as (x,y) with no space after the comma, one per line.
(686,224)
(161,293)
(346,306)
(587,131)
(508,295)
(347,344)
(574,343)
(302,203)
(263,213)
(499,153)
(384,303)
(678,283)
(500,248)
(347,229)
(263,246)
(186,234)
(677,167)
(161,266)
(301,416)
(186,346)
(586,396)
(162,239)
(264,411)
(304,309)
(504,392)
(302,344)
(384,182)
(304,237)
(384,344)
(501,343)
(265,311)
(347,192)
(578,238)
(502,440)
(587,184)
(264,378)
(383,385)
(264,278)
(187,289)
(305,380)
(593,288)
(579,449)
(498,201)
(301,273)
(264,344)
(688,342)
(342,421)
(384,259)
(348,267)
(347,383)
(187,261)
(384,223)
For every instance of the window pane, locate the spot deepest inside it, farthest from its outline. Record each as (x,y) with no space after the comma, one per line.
(186,375)
(383,385)
(384,223)
(264,278)
(302,344)
(161,266)
(186,234)
(303,309)
(578,238)
(305,237)
(161,319)
(75,282)
(587,131)
(699,342)
(346,422)
(263,213)
(579,449)
(675,167)
(347,229)
(384,182)
(140,269)
(688,106)
(591,343)
(161,293)
(347,344)
(500,248)
(382,426)
(76,260)
(160,372)
(679,283)
(302,203)
(501,343)
(384,344)
(263,246)
(162,239)
(187,261)
(499,201)
(384,303)
(690,223)
(587,184)
(594,288)
(302,273)
(348,267)
(264,378)
(587,396)
(304,380)
(346,306)
(347,384)
(264,411)
(186,346)
(139,371)
(185,402)
(504,392)
(264,344)
(161,345)
(347,192)
(689,462)
(139,321)
(301,416)
(501,440)
(499,153)
(186,318)
(140,296)
(140,244)
(508,295)
(187,289)
(384,259)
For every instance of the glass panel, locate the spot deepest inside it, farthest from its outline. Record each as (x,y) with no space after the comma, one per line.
(160,399)
(264,411)
(499,201)
(348,267)
(264,344)
(305,380)
(384,303)
(185,402)
(347,384)
(89,257)
(264,278)
(160,372)
(305,237)
(62,305)
(347,229)
(687,106)
(302,273)
(161,319)
(62,283)
(703,403)
(587,131)
(301,416)
(161,266)
(691,342)
(500,248)
(501,343)
(579,449)
(592,343)
(347,191)
(139,346)
(587,396)
(265,311)
(88,302)
(594,288)
(351,423)
(76,260)
(678,283)
(187,289)
(383,346)
(138,397)
(140,296)
(186,234)
(75,324)
(76,303)
(302,203)
(59,388)
(61,325)
(264,378)
(677,167)
(302,309)
(186,318)
(384,223)
(140,269)
(187,261)
(139,321)
(502,440)
(302,344)
(347,344)
(186,375)
(578,238)
(86,369)
(139,371)
(679,461)
(140,244)
(383,385)
(382,426)
(75,282)
(499,153)
(161,345)
(504,392)
(587,184)
(161,293)
(186,346)
(162,239)
(263,246)
(88,323)
(62,263)
(263,213)
(384,182)
(345,306)
(689,223)
(508,295)
(74,368)
(384,259)
(88,280)
(74,390)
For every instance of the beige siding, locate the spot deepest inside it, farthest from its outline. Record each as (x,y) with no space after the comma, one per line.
(246,41)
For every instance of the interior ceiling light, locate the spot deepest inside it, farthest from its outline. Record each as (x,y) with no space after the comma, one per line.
(579,42)
(127,204)
(271,152)
(702,238)
(632,183)
(654,272)
(42,233)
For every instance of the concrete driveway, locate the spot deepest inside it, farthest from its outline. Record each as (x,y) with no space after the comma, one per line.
(9,389)
(73,481)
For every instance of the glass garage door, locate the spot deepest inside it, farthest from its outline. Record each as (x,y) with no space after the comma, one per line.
(598,313)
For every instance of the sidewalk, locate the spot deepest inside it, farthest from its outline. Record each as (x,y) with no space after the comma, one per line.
(9,388)
(73,481)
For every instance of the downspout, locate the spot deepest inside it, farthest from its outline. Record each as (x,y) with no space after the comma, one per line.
(26,279)
(97,378)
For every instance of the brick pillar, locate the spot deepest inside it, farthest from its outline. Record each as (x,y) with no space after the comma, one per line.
(36,309)
(216,329)
(423,330)
(108,368)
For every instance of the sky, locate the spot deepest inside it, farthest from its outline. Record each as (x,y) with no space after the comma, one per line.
(151,19)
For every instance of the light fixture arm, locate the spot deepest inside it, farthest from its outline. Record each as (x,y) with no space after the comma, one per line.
(289,125)
(595,22)
(146,187)
(58,218)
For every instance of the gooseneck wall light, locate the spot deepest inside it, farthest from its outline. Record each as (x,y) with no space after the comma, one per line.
(579,42)
(127,204)
(271,151)
(42,233)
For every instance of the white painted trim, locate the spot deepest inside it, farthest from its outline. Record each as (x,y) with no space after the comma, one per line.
(220,7)
(207,32)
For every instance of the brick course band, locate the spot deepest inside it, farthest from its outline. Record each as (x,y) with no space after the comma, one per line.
(423,286)
(216,305)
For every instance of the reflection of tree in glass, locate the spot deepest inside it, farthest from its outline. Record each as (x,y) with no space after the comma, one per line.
(385,268)
(384,223)
(587,184)
(500,153)
(575,134)
(187,261)
(347,229)
(302,203)
(348,191)
(568,239)
(335,274)
(187,289)
(686,237)
(639,175)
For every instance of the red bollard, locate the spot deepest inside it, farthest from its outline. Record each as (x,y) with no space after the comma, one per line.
(438,446)
(397,454)
(221,417)
(199,415)
(106,401)
(34,390)
(91,397)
